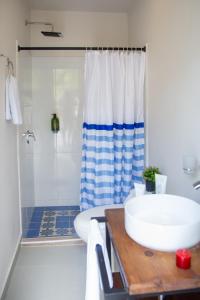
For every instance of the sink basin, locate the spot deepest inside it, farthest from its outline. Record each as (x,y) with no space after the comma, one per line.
(163,222)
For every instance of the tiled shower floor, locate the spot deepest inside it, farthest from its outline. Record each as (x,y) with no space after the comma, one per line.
(53,221)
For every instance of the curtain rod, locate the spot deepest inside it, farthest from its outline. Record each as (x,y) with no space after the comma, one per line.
(83,48)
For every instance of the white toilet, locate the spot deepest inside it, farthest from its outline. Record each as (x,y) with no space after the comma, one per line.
(81,222)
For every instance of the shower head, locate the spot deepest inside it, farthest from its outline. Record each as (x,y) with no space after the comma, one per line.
(52,33)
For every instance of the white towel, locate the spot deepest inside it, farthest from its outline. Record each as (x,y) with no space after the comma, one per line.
(13,110)
(93,274)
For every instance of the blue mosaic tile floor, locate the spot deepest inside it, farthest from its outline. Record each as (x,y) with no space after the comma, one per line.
(53,221)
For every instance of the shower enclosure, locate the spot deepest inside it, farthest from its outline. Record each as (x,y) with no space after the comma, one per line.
(50,158)
(50,162)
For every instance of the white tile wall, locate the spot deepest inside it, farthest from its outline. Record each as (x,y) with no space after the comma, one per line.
(57,88)
(45,178)
(68,177)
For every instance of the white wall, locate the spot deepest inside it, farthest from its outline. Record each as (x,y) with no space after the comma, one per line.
(81,28)
(171,29)
(12,16)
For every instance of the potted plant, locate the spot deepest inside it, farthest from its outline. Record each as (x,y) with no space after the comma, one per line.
(149,177)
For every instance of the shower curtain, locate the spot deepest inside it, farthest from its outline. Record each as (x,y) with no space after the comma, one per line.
(113,128)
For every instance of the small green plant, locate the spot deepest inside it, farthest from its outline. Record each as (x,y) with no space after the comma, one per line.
(149,173)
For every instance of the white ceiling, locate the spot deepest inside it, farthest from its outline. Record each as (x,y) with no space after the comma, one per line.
(82,5)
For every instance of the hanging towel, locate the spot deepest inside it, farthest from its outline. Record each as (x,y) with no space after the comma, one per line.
(13,110)
(92,277)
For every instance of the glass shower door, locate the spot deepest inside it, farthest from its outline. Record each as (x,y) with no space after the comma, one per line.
(57,88)
(26,143)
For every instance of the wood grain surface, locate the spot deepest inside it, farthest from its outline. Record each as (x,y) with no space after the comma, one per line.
(148,271)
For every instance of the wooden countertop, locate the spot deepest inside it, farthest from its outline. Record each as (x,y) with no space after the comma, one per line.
(148,271)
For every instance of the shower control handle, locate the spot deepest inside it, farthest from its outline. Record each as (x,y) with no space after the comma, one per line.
(29,134)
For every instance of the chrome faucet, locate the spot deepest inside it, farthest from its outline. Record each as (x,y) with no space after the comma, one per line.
(29,134)
(196,185)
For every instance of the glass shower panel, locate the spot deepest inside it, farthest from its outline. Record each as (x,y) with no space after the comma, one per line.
(26,148)
(57,88)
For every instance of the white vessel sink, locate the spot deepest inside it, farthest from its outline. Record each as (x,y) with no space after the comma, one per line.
(163,222)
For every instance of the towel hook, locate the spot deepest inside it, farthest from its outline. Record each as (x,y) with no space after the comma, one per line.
(10,65)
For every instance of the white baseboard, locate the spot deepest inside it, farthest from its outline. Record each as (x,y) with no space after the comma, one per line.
(10,268)
(51,241)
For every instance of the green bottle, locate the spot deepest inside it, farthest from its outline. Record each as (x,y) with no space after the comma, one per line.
(55,127)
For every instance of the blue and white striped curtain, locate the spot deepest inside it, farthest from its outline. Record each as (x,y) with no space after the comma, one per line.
(113,128)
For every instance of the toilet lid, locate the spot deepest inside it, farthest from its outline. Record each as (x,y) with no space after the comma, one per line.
(81,222)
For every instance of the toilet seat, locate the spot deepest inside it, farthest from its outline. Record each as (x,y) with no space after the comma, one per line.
(81,222)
